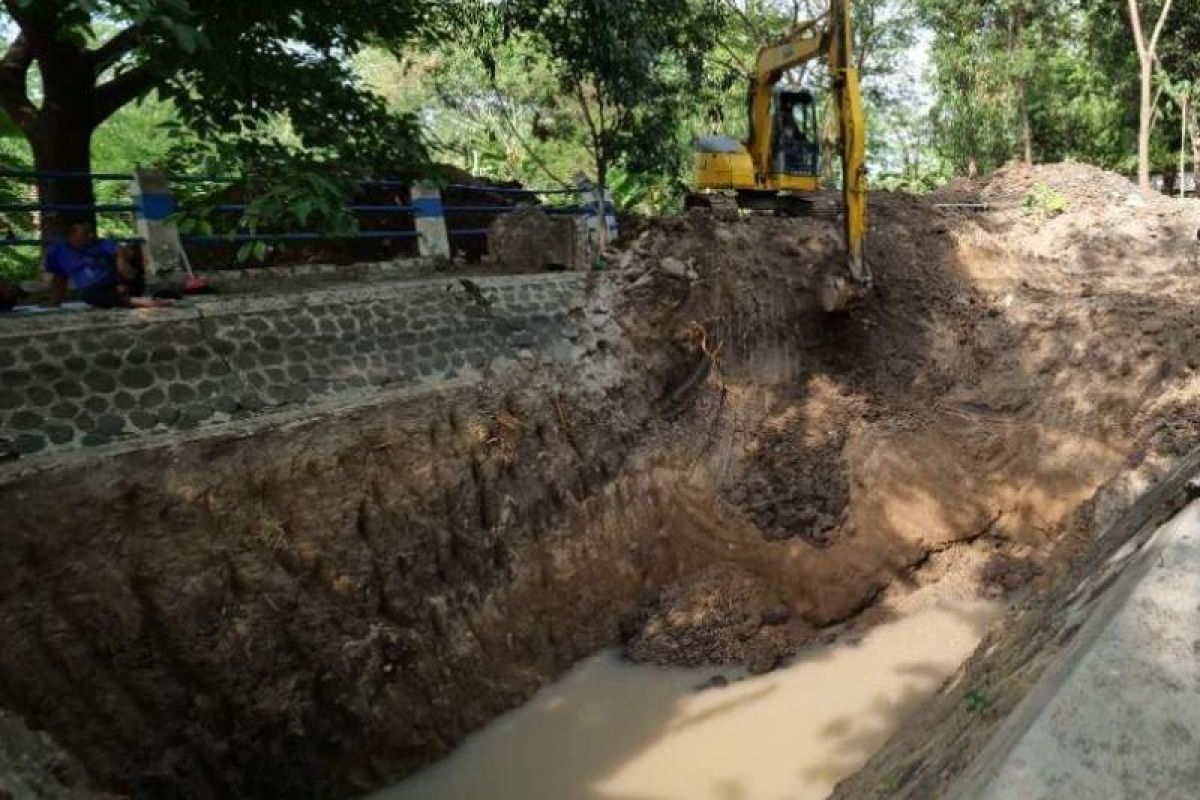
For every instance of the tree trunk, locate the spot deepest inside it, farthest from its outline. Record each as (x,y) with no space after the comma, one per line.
(602,203)
(1195,134)
(1183,125)
(1014,47)
(1145,51)
(59,129)
(62,145)
(1026,129)
(1143,170)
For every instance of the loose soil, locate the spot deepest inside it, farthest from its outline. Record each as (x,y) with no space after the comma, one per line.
(730,477)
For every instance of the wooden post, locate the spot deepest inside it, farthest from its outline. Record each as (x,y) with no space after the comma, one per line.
(154,204)
(430,221)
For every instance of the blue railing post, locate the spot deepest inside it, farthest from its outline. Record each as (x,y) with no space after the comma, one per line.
(429,219)
(154,204)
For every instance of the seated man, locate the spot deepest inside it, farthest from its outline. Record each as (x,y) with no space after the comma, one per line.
(99,269)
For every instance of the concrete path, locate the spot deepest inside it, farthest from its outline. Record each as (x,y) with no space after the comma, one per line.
(1123,720)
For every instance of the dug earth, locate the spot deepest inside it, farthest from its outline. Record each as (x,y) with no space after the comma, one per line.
(324,603)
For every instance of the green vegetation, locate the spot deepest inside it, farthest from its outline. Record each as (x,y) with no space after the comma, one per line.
(1044,202)
(236,71)
(977,700)
(625,70)
(1050,80)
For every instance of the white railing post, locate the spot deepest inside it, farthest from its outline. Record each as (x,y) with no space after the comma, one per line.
(429,220)
(610,217)
(154,203)
(600,212)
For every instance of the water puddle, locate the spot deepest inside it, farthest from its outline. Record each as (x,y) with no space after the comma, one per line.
(610,730)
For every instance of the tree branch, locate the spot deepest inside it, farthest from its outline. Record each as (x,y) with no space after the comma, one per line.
(597,146)
(865,47)
(20,14)
(735,67)
(14,73)
(124,88)
(512,127)
(115,48)
(753,28)
(1158,26)
(742,66)
(1158,93)
(1135,20)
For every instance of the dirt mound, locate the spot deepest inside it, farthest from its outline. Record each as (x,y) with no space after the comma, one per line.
(958,190)
(723,614)
(1081,185)
(1007,367)
(1084,223)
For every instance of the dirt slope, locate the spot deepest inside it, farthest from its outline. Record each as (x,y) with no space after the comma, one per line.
(1011,363)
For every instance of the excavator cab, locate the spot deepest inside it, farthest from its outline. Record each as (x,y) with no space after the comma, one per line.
(795,145)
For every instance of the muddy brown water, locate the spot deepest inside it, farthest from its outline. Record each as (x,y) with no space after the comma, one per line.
(612,730)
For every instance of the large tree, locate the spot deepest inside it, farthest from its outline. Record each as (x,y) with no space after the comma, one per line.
(1146,42)
(631,68)
(229,64)
(1029,79)
(1179,72)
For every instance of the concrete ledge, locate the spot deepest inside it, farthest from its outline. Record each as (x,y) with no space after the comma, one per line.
(93,378)
(286,277)
(1119,716)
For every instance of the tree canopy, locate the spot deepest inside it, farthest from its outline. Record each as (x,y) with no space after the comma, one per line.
(630,70)
(1046,80)
(230,67)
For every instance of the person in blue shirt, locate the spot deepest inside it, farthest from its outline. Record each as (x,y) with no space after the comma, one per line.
(99,269)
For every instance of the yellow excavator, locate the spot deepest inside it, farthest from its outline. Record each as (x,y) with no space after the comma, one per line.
(779,163)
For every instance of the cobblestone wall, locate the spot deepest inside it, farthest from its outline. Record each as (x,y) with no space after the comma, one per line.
(91,378)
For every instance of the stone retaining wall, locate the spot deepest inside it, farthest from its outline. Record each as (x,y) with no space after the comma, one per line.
(91,378)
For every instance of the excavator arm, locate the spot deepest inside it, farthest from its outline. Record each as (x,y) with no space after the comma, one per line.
(842,291)
(802,44)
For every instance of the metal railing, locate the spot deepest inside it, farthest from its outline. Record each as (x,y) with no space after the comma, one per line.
(400,210)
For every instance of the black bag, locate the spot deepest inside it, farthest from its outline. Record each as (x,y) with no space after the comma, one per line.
(10,293)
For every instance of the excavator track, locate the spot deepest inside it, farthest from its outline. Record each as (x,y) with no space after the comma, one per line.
(720,204)
(727,204)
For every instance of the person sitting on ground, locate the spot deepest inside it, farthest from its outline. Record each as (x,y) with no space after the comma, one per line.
(100,270)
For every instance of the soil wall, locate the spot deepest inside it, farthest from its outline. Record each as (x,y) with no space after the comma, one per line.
(318,600)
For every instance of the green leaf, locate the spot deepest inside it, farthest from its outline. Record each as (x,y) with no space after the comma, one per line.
(303,209)
(8,127)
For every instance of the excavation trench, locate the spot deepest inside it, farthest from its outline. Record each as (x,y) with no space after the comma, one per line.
(719,479)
